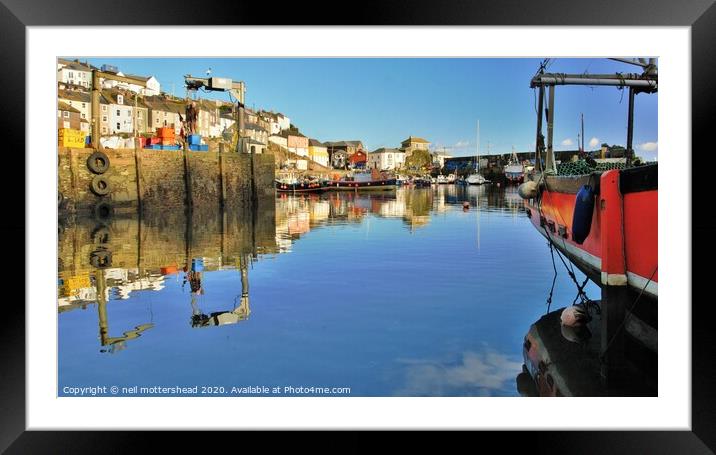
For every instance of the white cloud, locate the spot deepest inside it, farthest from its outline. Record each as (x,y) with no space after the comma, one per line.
(593,142)
(567,141)
(476,373)
(649,146)
(460,144)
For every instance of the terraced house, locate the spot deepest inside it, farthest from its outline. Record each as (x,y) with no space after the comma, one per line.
(413,143)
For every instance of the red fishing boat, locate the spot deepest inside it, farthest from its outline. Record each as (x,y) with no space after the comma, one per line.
(604,221)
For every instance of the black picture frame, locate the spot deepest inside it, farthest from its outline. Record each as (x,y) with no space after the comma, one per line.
(16,15)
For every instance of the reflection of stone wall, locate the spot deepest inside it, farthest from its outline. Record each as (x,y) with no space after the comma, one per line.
(162,182)
(167,239)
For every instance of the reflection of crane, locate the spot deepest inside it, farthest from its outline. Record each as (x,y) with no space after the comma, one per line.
(237,314)
(114,343)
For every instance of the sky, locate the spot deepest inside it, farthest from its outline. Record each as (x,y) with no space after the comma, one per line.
(382,101)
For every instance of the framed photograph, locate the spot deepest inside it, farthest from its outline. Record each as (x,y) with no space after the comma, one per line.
(441,220)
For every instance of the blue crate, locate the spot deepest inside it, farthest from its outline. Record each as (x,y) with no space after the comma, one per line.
(171,147)
(199,148)
(153,146)
(194,139)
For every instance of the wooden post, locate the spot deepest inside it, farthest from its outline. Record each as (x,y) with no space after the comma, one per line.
(549,161)
(138,172)
(615,293)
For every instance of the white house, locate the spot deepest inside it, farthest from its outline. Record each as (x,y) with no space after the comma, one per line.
(152,84)
(439,158)
(279,140)
(385,159)
(121,115)
(75,73)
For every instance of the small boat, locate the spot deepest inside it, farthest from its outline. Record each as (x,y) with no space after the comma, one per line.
(421,182)
(514,171)
(475,179)
(292,185)
(363,181)
(442,179)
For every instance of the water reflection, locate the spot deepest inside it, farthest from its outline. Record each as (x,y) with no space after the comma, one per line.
(396,293)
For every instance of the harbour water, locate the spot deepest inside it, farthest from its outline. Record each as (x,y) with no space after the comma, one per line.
(399,293)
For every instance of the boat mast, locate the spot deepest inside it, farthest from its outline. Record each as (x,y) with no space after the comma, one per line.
(477,165)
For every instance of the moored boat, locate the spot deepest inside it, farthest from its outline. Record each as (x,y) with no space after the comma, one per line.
(475,179)
(604,220)
(300,186)
(363,182)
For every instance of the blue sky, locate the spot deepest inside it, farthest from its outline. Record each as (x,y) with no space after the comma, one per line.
(383,101)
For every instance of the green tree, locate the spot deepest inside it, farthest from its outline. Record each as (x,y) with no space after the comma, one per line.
(419,160)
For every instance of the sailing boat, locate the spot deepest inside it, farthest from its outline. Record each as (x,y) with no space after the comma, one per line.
(514,171)
(476,178)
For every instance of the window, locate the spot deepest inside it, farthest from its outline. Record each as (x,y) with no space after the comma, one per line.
(119,127)
(120,99)
(118,113)
(104,130)
(70,74)
(104,118)
(129,113)
(104,107)
(84,104)
(65,114)
(83,115)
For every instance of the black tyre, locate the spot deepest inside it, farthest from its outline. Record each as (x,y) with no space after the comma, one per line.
(101,259)
(100,235)
(103,211)
(100,185)
(98,162)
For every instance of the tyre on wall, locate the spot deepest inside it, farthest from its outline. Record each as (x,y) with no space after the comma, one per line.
(98,162)
(103,211)
(100,185)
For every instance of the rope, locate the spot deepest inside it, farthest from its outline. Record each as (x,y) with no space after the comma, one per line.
(570,270)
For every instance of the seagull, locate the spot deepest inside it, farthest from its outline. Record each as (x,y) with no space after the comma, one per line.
(208,72)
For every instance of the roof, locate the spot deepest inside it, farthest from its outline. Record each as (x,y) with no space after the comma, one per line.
(253,126)
(66,107)
(287,133)
(75,65)
(387,150)
(411,139)
(316,143)
(343,144)
(74,95)
(138,78)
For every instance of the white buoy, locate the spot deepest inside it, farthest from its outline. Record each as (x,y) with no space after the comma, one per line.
(574,316)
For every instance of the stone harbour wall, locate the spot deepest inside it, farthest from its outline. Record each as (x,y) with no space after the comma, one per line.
(158,180)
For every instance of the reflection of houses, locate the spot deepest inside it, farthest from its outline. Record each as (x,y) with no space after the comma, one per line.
(413,143)
(385,159)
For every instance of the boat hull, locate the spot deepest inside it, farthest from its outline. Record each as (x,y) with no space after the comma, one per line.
(300,187)
(622,245)
(373,185)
